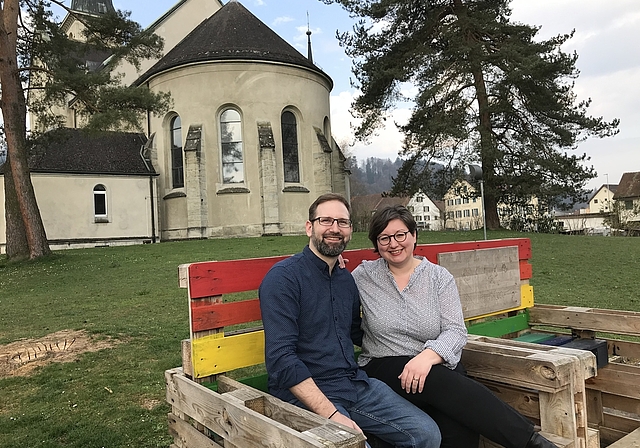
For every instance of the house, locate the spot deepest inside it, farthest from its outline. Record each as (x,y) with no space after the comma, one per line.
(601,201)
(627,195)
(582,223)
(426,212)
(245,149)
(363,207)
(93,198)
(462,207)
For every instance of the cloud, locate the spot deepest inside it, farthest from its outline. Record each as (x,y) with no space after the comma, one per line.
(385,144)
(280,20)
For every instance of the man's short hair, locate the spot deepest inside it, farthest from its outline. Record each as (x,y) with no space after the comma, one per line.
(326,198)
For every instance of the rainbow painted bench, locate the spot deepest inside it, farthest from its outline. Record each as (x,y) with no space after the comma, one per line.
(219,397)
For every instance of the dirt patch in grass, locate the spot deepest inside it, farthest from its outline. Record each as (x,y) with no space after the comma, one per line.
(21,357)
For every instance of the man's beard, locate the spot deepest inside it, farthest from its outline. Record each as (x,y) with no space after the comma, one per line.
(330,250)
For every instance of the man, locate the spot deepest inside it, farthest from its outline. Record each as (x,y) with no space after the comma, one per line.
(311,316)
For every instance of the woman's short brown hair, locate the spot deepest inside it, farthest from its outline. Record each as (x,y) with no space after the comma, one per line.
(383,217)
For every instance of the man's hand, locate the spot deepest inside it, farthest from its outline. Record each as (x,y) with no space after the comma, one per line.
(338,417)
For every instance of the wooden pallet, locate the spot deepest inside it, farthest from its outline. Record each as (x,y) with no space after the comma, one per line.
(243,417)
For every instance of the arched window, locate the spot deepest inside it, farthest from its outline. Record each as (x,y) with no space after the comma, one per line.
(231,140)
(100,203)
(177,169)
(290,147)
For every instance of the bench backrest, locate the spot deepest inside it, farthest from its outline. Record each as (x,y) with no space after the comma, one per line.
(492,277)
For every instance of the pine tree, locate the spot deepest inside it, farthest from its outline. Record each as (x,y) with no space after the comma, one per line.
(39,60)
(488,91)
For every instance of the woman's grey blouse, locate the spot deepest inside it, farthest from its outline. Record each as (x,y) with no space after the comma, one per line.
(426,314)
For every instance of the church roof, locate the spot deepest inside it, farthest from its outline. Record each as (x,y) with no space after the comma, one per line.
(75,151)
(92,6)
(232,33)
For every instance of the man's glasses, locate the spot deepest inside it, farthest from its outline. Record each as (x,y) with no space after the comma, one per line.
(384,240)
(328,222)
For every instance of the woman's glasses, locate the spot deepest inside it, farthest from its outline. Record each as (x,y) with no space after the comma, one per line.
(384,240)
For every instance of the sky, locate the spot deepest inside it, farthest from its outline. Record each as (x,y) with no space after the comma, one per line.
(606,39)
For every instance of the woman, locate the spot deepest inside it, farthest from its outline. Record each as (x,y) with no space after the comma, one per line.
(414,333)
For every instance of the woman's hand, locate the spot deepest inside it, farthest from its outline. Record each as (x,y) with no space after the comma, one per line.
(342,262)
(416,370)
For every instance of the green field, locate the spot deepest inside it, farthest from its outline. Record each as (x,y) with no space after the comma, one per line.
(115,397)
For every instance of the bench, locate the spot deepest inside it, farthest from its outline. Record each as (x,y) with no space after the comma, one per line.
(219,398)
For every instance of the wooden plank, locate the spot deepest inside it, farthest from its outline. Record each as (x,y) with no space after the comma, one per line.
(500,327)
(540,371)
(207,316)
(187,436)
(557,414)
(593,438)
(222,277)
(523,400)
(623,348)
(431,251)
(618,380)
(241,426)
(610,435)
(611,321)
(488,280)
(215,354)
(586,358)
(622,421)
(632,440)
(594,408)
(620,403)
(288,414)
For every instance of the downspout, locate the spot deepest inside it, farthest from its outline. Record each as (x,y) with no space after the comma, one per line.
(151,195)
(153,214)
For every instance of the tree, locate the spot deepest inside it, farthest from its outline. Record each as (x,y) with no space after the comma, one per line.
(38,59)
(487,91)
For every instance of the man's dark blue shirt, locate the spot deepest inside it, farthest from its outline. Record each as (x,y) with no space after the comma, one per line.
(311,321)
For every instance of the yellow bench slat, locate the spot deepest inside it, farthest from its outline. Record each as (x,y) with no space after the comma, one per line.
(214,354)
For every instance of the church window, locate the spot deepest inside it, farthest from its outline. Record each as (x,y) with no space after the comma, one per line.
(177,165)
(100,203)
(231,140)
(290,147)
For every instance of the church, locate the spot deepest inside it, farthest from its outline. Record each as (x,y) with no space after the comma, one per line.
(244,150)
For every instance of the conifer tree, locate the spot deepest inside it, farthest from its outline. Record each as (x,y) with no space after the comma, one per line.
(40,62)
(488,91)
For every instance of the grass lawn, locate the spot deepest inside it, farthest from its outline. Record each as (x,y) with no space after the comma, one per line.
(130,295)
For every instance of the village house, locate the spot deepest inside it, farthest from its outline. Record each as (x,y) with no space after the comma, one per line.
(462,207)
(628,197)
